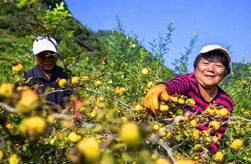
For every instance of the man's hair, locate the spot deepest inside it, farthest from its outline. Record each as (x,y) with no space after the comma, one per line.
(222,59)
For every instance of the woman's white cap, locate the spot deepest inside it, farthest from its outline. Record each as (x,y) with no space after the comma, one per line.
(44,43)
(209,48)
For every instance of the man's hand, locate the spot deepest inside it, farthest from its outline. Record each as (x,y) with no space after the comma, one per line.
(153,95)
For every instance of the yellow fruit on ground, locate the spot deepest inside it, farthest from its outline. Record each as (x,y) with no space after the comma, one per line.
(163,107)
(9,126)
(139,108)
(215,125)
(219,156)
(17,68)
(185,161)
(75,80)
(97,83)
(62,82)
(130,134)
(73,137)
(13,159)
(196,134)
(197,147)
(85,78)
(1,154)
(28,102)
(90,149)
(190,102)
(6,89)
(33,127)
(223,112)
(162,161)
(237,144)
(145,71)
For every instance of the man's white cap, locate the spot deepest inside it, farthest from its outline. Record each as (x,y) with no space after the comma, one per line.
(44,43)
(209,48)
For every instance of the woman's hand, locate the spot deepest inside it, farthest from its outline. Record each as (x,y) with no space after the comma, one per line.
(153,95)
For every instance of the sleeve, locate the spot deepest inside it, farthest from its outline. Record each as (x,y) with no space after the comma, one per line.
(179,84)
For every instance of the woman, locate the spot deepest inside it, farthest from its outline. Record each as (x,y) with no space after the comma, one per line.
(211,66)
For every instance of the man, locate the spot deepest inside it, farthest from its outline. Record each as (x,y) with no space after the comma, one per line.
(46,72)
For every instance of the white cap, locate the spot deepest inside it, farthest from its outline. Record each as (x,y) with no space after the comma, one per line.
(44,43)
(209,48)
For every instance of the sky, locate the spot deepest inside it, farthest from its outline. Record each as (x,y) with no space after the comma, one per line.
(221,22)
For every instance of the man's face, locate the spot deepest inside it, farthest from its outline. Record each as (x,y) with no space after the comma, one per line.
(46,60)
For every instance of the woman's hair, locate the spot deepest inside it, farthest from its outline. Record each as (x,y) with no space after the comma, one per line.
(222,59)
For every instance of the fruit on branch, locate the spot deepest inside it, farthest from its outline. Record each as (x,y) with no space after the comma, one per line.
(62,82)
(211,109)
(156,127)
(9,126)
(169,135)
(215,125)
(130,134)
(73,137)
(97,83)
(6,89)
(139,107)
(223,112)
(28,102)
(120,90)
(181,101)
(219,156)
(190,101)
(13,159)
(75,80)
(145,71)
(244,82)
(90,149)
(1,154)
(32,127)
(196,134)
(193,122)
(237,144)
(174,98)
(197,147)
(161,160)
(17,68)
(185,161)
(163,107)
(162,132)
(85,78)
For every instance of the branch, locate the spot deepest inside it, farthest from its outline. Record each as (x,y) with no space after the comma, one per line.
(8,108)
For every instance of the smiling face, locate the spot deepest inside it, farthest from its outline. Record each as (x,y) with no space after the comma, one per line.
(46,60)
(209,72)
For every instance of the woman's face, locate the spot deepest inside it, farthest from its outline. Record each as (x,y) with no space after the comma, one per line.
(209,72)
(46,60)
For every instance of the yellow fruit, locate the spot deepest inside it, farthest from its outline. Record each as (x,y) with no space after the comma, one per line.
(75,80)
(93,114)
(237,144)
(145,71)
(85,78)
(219,156)
(124,119)
(162,161)
(90,149)
(97,83)
(9,126)
(196,134)
(244,82)
(185,161)
(1,154)
(223,112)
(150,84)
(6,89)
(17,68)
(101,99)
(169,135)
(162,132)
(215,125)
(139,108)
(51,119)
(174,98)
(163,107)
(156,127)
(28,102)
(13,159)
(73,137)
(206,133)
(193,122)
(181,101)
(62,82)
(211,109)
(190,102)
(130,134)
(33,127)
(197,147)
